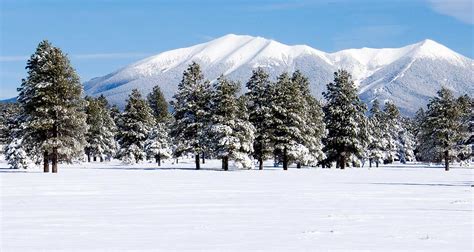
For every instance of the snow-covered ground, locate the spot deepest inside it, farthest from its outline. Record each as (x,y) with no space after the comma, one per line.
(111,207)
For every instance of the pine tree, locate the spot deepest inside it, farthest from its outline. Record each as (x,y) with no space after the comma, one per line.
(158,144)
(230,130)
(11,139)
(345,120)
(191,113)
(158,105)
(258,105)
(310,151)
(391,126)
(100,135)
(376,140)
(406,141)
(288,122)
(134,126)
(444,128)
(51,99)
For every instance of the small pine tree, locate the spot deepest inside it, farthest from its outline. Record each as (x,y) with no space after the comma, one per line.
(345,120)
(134,126)
(158,144)
(51,100)
(376,140)
(191,113)
(258,105)
(100,135)
(231,132)
(391,129)
(11,139)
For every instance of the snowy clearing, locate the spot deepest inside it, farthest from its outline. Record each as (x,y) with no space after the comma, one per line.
(108,206)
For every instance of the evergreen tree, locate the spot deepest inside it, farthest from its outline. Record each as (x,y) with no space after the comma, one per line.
(134,126)
(345,120)
(288,121)
(406,141)
(9,121)
(376,140)
(231,132)
(100,135)
(11,139)
(310,151)
(158,144)
(158,105)
(51,99)
(191,113)
(444,128)
(258,105)
(391,129)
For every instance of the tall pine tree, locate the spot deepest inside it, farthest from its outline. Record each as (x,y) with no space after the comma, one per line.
(444,128)
(231,132)
(51,98)
(258,105)
(288,121)
(191,106)
(345,120)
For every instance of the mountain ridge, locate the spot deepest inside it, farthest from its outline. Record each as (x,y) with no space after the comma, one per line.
(236,55)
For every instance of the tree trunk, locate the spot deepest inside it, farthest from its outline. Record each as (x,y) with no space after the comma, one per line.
(101,158)
(226,163)
(45,162)
(446,160)
(298,165)
(88,157)
(54,160)
(377,164)
(260,163)
(370,162)
(95,158)
(159,160)
(203,160)
(285,160)
(343,162)
(177,160)
(196,159)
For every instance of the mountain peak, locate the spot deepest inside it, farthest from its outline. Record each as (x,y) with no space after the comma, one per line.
(431,49)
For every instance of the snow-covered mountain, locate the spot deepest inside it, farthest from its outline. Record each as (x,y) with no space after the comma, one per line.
(408,76)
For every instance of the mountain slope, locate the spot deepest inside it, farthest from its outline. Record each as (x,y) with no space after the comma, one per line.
(407,75)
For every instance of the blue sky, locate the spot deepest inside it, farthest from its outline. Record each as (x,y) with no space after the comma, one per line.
(103,35)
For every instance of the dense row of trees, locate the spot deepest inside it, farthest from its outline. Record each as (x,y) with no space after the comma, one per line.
(281,120)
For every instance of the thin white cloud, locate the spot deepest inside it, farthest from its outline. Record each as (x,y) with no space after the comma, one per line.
(462,10)
(91,56)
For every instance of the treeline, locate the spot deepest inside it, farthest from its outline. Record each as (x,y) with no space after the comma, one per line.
(52,122)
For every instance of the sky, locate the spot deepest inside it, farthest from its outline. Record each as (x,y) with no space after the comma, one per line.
(101,36)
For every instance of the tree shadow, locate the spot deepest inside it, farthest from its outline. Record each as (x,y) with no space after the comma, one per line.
(461,184)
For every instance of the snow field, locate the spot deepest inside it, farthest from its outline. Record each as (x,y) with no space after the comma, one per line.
(113,207)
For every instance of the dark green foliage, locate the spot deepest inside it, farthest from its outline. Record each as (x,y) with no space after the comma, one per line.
(158,105)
